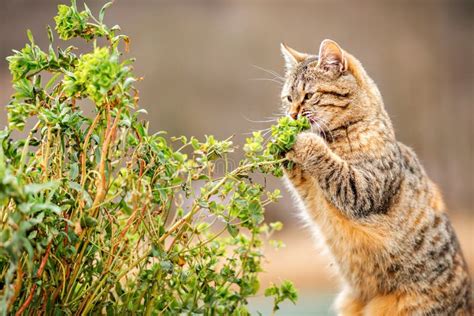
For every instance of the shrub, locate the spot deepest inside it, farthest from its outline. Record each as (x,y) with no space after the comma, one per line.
(100,216)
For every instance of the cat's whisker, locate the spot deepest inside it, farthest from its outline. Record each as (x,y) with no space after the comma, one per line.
(312,126)
(284,111)
(326,128)
(263,131)
(260,121)
(265,135)
(267,79)
(267,119)
(271,72)
(322,130)
(321,126)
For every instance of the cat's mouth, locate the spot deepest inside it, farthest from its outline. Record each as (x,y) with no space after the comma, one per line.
(318,126)
(310,116)
(314,120)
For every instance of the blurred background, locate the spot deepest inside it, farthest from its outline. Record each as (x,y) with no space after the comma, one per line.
(202,66)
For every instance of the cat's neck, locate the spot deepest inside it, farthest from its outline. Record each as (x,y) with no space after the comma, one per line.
(366,136)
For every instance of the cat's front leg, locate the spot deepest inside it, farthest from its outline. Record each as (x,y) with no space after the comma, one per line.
(353,189)
(308,149)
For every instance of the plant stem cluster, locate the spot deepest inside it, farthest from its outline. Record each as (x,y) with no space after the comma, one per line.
(98,215)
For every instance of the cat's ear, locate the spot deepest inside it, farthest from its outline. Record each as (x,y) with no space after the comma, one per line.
(331,56)
(291,56)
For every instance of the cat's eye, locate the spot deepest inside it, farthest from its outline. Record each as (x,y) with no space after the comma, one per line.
(308,96)
(289,98)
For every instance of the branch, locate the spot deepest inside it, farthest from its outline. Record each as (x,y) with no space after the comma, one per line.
(38,275)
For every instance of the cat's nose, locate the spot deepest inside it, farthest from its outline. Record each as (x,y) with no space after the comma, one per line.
(294,115)
(294,111)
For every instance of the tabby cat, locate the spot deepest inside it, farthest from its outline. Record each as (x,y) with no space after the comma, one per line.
(382,219)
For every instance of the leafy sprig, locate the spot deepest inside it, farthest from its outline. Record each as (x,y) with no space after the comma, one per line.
(72,23)
(286,291)
(100,76)
(282,139)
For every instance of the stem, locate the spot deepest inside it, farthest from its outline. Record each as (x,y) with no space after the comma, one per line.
(101,184)
(24,152)
(18,283)
(149,306)
(46,155)
(83,160)
(102,180)
(84,148)
(196,207)
(120,237)
(90,301)
(100,289)
(38,275)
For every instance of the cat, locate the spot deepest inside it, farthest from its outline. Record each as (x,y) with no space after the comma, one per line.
(380,216)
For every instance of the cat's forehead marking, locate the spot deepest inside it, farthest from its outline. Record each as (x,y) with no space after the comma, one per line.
(301,74)
(302,68)
(308,61)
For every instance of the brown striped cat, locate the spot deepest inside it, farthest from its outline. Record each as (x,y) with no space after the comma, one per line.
(382,219)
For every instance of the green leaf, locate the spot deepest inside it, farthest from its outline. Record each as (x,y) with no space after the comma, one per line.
(88,221)
(233,230)
(102,11)
(35,188)
(46,206)
(166,265)
(30,36)
(288,291)
(74,171)
(76,186)
(50,34)
(203,203)
(52,80)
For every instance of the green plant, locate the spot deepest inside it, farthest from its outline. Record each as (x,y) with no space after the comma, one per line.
(100,216)
(283,137)
(280,293)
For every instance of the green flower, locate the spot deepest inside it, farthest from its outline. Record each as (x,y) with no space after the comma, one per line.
(96,74)
(71,23)
(29,59)
(284,135)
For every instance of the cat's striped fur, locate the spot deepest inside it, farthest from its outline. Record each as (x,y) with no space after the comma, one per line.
(381,217)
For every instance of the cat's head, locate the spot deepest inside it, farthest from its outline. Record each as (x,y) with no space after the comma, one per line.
(331,89)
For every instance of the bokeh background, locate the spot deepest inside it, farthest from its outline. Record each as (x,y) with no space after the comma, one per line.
(201,62)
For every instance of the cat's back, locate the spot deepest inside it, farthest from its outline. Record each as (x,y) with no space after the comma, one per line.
(428,257)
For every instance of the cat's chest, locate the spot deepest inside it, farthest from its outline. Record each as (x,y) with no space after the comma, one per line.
(344,238)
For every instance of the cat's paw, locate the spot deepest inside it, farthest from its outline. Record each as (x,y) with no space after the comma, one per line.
(296,174)
(307,146)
